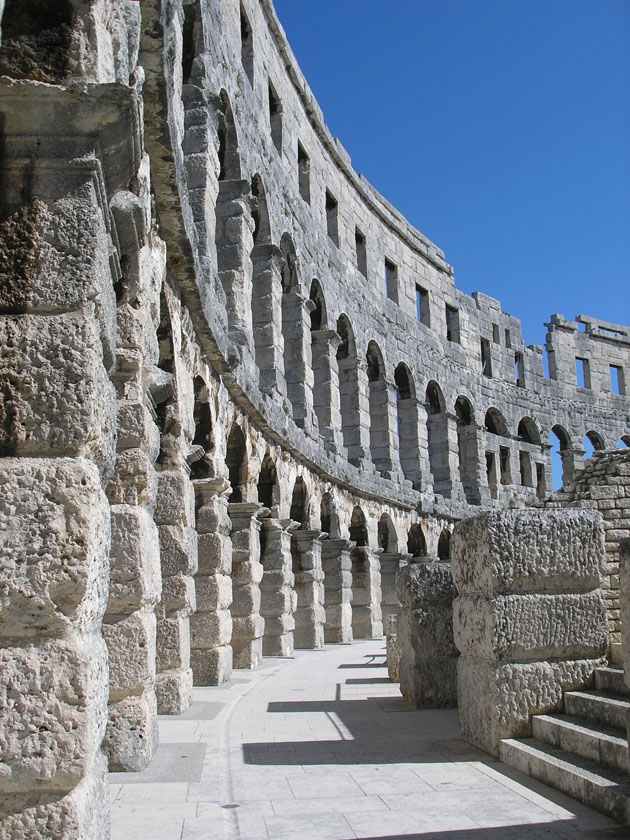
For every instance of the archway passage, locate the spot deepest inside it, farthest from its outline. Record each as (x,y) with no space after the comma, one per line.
(267,482)
(562,470)
(416,542)
(468,449)
(407,425)
(347,365)
(444,545)
(593,442)
(202,444)
(437,438)
(236,462)
(366,583)
(379,409)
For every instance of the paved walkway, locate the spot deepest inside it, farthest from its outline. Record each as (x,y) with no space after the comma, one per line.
(323,747)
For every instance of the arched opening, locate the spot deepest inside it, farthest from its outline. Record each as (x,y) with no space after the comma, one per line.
(494,423)
(593,442)
(327,516)
(528,431)
(407,423)
(299,501)
(267,482)
(468,449)
(358,528)
(379,414)
(498,455)
(444,545)
(321,361)
(318,308)
(416,542)
(236,462)
(293,330)
(387,537)
(164,392)
(624,442)
(348,388)
(36,39)
(201,465)
(561,463)
(437,439)
(191,37)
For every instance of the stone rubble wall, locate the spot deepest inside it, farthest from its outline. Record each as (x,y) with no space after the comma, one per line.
(529,618)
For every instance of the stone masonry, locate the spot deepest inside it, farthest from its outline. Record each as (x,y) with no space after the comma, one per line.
(196,344)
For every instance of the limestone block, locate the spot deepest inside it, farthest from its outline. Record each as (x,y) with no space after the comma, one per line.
(131,737)
(136,578)
(212,666)
(338,626)
(131,648)
(54,541)
(246,600)
(279,625)
(210,629)
(173,690)
(173,642)
(134,481)
(277,601)
(212,554)
(247,627)
(175,500)
(247,653)
(501,697)
(80,814)
(178,549)
(178,593)
(136,429)
(517,550)
(56,398)
(214,592)
(247,571)
(53,701)
(532,626)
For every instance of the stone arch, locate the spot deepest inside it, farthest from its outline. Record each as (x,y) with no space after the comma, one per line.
(267,487)
(437,439)
(358,527)
(561,451)
(201,463)
(36,39)
(624,441)
(347,365)
(528,431)
(329,518)
(416,541)
(494,423)
(387,536)
(378,408)
(324,366)
(407,423)
(260,212)
(236,462)
(299,503)
(593,442)
(318,313)
(468,449)
(444,545)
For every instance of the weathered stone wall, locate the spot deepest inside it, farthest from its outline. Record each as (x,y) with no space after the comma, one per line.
(604,484)
(529,618)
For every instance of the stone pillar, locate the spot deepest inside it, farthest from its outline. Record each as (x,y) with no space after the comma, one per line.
(353,387)
(278,598)
(382,409)
(211,624)
(248,625)
(324,344)
(572,463)
(408,440)
(391,562)
(529,619)
(367,621)
(310,615)
(337,566)
(267,317)
(298,370)
(175,518)
(426,650)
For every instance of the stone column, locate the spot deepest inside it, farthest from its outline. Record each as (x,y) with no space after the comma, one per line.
(248,625)
(382,423)
(278,598)
(391,563)
(337,566)
(211,624)
(310,615)
(324,344)
(367,621)
(353,387)
(409,439)
(298,370)
(175,518)
(572,463)
(267,317)
(529,619)
(427,656)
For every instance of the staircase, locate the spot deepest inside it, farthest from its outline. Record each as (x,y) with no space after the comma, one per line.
(583,752)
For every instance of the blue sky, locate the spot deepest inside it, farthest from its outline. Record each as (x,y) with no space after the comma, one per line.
(500,128)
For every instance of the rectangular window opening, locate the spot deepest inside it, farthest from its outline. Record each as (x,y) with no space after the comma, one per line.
(582,372)
(452,324)
(422,306)
(525,461)
(332,212)
(541,488)
(491,473)
(486,358)
(504,460)
(304,174)
(519,370)
(617,380)
(275,118)
(391,280)
(496,335)
(361,251)
(247,47)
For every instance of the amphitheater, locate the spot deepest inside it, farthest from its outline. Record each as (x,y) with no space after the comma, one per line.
(246,413)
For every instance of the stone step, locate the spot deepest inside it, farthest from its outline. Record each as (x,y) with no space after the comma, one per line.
(601,788)
(594,741)
(602,706)
(611,680)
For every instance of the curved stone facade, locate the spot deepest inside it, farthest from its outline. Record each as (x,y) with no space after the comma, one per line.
(239,390)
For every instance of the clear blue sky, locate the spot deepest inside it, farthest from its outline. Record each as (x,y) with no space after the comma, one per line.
(500,128)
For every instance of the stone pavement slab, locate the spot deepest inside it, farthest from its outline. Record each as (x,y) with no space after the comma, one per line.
(322,747)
